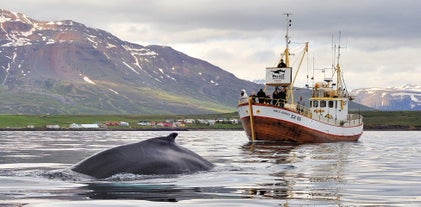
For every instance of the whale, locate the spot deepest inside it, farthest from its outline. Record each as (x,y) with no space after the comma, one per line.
(155,156)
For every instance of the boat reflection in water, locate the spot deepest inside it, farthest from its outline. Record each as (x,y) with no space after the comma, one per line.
(304,172)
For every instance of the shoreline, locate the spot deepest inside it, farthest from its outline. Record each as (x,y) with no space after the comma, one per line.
(366,128)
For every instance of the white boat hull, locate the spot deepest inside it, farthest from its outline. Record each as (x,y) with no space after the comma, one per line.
(274,123)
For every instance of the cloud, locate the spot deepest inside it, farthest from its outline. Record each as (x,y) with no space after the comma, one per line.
(243,37)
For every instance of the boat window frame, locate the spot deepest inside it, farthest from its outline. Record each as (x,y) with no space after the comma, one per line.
(323,104)
(316,103)
(330,104)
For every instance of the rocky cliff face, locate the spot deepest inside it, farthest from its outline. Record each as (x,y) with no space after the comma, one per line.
(66,67)
(403,98)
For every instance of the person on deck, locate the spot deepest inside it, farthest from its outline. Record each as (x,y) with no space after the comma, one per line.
(261,95)
(253,97)
(282,64)
(300,105)
(275,96)
(282,96)
(244,96)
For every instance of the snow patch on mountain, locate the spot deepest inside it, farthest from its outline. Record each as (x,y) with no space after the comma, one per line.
(130,67)
(112,90)
(85,78)
(407,97)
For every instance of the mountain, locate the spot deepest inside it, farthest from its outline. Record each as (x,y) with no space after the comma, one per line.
(403,98)
(65,67)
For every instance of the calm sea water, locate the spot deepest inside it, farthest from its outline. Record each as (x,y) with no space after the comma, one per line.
(382,169)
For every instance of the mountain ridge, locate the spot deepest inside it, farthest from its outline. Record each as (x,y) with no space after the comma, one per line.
(66,67)
(405,98)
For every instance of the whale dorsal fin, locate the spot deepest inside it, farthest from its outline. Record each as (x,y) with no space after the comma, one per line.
(171,137)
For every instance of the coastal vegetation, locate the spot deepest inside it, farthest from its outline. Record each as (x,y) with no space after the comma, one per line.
(392,120)
(40,122)
(373,120)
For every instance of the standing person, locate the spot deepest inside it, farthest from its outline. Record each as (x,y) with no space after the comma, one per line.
(282,96)
(261,95)
(300,105)
(253,97)
(275,96)
(244,93)
(244,96)
(282,64)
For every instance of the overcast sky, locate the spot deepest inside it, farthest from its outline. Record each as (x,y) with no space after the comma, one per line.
(381,39)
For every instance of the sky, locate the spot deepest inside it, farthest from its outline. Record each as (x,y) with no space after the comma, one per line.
(380,39)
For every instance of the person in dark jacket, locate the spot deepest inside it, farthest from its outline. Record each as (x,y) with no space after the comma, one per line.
(275,96)
(282,96)
(261,95)
(282,64)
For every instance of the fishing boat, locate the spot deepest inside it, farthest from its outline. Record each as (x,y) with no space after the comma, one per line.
(283,117)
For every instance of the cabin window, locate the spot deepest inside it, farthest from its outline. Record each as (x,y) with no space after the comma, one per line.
(322,104)
(311,104)
(330,104)
(336,104)
(315,104)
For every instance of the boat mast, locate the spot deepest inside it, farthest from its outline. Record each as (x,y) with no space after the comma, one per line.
(338,70)
(287,41)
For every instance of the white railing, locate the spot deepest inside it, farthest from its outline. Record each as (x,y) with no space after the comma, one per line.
(352,120)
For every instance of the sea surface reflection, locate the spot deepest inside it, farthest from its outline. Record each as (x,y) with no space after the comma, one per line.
(382,169)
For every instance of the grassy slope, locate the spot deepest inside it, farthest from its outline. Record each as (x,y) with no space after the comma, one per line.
(88,100)
(392,119)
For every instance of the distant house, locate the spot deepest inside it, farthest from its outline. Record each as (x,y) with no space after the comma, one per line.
(144,123)
(52,126)
(112,123)
(234,121)
(211,122)
(221,120)
(89,126)
(188,121)
(164,124)
(202,121)
(75,126)
(123,123)
(179,124)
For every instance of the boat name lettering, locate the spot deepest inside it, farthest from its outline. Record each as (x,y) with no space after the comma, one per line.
(282,112)
(293,116)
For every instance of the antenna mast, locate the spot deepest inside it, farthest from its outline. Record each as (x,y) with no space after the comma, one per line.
(287,41)
(338,69)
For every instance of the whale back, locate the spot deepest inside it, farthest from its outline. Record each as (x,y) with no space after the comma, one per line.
(156,156)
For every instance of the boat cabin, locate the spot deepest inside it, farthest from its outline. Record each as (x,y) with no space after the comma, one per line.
(327,103)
